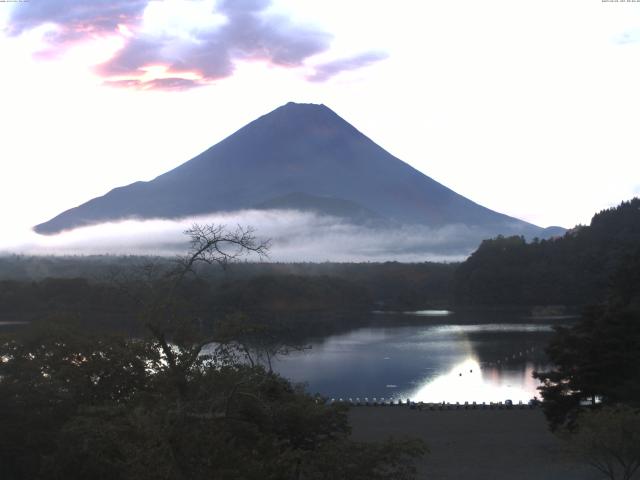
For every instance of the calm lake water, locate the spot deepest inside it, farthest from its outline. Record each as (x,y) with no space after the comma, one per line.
(429,356)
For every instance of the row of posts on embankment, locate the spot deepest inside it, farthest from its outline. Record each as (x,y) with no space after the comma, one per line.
(375,402)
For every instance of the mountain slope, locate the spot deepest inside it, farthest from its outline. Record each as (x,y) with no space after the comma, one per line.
(345,210)
(296,148)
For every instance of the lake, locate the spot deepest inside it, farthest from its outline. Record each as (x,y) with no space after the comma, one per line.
(428,356)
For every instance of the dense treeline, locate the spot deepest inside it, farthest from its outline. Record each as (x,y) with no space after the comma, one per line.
(283,299)
(289,293)
(272,293)
(106,286)
(38,267)
(570,270)
(387,285)
(20,301)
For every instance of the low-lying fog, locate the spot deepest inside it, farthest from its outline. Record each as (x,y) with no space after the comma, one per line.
(295,236)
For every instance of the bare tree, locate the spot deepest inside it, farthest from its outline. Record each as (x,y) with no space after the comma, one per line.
(215,245)
(176,335)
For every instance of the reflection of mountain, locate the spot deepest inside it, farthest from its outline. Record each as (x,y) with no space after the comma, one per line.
(302,157)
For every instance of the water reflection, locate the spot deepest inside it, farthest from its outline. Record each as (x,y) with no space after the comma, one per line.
(417,313)
(430,313)
(426,360)
(467,381)
(492,327)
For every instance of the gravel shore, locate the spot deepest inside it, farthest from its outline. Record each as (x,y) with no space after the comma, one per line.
(475,444)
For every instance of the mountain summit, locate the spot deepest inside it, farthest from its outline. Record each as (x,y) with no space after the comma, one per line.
(297,155)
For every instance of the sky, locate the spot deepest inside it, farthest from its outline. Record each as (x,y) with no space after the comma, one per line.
(528,108)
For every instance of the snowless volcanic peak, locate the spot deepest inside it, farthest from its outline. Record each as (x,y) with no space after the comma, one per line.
(301,155)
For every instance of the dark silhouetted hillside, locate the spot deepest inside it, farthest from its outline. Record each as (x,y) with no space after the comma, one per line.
(574,269)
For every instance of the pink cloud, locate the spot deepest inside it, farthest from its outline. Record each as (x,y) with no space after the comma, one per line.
(249,34)
(77,20)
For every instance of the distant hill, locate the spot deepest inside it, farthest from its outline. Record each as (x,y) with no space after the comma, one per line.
(299,156)
(575,269)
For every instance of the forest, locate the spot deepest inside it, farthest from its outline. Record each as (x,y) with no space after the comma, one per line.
(574,269)
(102,289)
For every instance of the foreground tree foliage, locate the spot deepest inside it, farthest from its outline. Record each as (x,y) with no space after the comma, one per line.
(596,361)
(171,405)
(609,440)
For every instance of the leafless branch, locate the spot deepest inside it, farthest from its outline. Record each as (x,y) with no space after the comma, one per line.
(214,244)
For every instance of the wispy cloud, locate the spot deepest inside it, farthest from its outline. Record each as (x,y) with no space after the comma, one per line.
(628,37)
(169,83)
(327,70)
(193,58)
